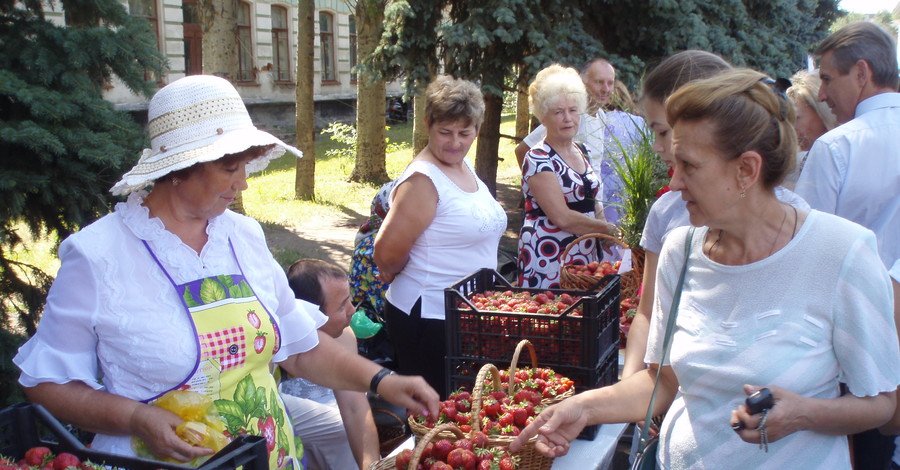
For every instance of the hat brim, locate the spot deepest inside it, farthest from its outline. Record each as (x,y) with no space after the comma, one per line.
(154,166)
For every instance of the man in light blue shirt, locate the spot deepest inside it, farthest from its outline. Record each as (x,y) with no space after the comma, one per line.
(853,171)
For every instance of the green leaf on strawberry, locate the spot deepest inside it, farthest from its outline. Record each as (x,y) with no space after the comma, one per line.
(189,298)
(225,280)
(245,289)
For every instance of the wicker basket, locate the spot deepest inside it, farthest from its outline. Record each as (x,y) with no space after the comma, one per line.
(529,457)
(512,373)
(630,280)
(391,434)
(390,463)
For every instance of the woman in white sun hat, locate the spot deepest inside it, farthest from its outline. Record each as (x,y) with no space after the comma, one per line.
(174,291)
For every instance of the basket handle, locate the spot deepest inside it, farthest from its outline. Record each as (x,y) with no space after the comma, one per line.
(478,391)
(420,447)
(515,361)
(574,242)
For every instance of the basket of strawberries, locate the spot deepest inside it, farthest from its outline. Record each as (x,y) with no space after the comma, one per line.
(550,386)
(490,410)
(435,453)
(581,276)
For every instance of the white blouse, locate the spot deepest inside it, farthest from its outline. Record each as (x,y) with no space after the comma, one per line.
(115,322)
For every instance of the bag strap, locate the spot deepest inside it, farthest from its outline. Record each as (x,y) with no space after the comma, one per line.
(670,329)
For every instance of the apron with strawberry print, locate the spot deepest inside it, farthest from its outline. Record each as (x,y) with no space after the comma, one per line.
(237,338)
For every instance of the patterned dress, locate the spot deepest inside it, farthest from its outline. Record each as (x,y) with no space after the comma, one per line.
(541,243)
(366,289)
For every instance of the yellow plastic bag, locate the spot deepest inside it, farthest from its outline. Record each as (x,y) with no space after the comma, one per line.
(202,426)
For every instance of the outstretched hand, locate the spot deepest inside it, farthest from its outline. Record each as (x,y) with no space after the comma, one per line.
(156,427)
(411,392)
(555,428)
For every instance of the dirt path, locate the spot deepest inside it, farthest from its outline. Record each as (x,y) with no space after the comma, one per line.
(332,238)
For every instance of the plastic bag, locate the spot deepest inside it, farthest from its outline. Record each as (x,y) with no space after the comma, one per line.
(202,426)
(363,327)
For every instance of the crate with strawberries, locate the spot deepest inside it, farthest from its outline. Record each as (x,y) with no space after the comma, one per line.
(486,317)
(31,438)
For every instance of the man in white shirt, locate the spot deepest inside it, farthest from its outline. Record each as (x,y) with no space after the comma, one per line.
(854,170)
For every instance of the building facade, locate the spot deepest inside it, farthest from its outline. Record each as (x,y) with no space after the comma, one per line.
(267,51)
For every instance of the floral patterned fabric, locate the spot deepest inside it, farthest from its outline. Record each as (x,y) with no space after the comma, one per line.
(367,291)
(541,243)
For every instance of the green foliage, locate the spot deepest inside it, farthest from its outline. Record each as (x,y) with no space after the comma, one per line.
(10,392)
(770,36)
(62,144)
(643,174)
(345,135)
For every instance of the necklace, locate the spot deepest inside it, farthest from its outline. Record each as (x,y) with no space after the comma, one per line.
(775,240)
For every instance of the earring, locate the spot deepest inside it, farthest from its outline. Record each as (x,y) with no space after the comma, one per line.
(743,194)
(175,181)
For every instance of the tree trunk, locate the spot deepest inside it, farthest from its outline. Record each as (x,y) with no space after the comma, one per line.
(370,100)
(489,143)
(219,22)
(305,182)
(420,132)
(523,116)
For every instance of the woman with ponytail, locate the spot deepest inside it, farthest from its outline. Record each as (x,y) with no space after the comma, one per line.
(791,300)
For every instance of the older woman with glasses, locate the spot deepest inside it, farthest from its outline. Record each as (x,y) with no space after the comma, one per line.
(792,300)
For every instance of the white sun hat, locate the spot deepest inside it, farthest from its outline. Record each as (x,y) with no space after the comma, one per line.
(196,119)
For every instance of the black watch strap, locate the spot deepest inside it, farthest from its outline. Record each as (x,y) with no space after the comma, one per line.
(376,379)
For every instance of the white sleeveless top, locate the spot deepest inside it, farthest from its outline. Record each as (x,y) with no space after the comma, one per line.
(462,238)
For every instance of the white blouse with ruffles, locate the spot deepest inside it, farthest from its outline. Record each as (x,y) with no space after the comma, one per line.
(115,322)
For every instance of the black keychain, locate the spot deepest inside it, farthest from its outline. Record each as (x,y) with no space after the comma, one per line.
(758,402)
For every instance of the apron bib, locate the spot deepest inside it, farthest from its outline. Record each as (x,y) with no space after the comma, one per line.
(237,338)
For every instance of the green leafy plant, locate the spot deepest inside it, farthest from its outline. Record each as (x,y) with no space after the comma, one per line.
(345,134)
(642,174)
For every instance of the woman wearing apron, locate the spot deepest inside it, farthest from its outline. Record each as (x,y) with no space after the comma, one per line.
(173,291)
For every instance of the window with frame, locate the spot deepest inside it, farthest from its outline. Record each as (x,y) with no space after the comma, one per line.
(281,42)
(326,41)
(353,46)
(245,44)
(147,9)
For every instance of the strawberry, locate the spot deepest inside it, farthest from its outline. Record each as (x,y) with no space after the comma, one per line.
(267,429)
(464,444)
(259,342)
(35,456)
(479,439)
(253,318)
(65,460)
(441,449)
(441,466)
(520,415)
(281,453)
(507,463)
(462,458)
(484,465)
(401,461)
(506,419)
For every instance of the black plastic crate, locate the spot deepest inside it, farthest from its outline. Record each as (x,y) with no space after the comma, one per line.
(27,425)
(462,373)
(564,340)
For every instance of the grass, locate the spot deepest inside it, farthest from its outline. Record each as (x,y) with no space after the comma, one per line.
(270,196)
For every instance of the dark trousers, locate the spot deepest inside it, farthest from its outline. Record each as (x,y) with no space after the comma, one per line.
(872,450)
(420,345)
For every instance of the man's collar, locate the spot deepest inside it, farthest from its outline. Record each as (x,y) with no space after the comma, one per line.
(886,99)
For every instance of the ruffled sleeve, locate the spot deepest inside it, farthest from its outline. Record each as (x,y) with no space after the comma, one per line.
(64,349)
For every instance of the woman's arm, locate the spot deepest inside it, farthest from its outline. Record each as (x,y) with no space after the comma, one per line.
(101,412)
(624,402)
(847,414)
(636,347)
(412,211)
(357,416)
(546,190)
(331,365)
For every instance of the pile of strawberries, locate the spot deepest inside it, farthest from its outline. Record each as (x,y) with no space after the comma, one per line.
(500,415)
(627,310)
(508,301)
(472,453)
(594,268)
(544,381)
(42,458)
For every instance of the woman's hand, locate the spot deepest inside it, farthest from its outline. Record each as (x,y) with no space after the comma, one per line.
(156,427)
(555,428)
(782,419)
